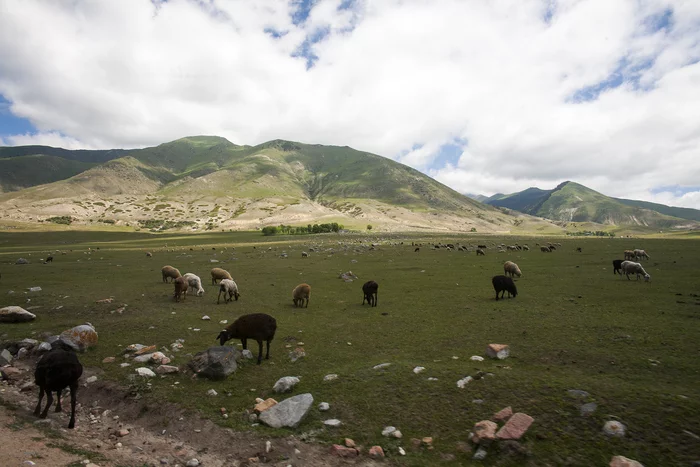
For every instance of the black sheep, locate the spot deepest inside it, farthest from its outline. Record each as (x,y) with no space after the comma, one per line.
(258,326)
(617,266)
(56,371)
(49,259)
(503,284)
(370,289)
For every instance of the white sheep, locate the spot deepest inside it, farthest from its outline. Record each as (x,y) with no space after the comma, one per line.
(229,289)
(638,254)
(194,283)
(630,267)
(511,268)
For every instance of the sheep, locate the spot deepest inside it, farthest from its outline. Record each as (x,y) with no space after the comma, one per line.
(258,326)
(171,272)
(630,267)
(526,248)
(639,254)
(149,254)
(304,254)
(552,248)
(629,255)
(55,371)
(195,283)
(417,249)
(300,293)
(480,252)
(181,287)
(218,274)
(483,247)
(370,289)
(511,268)
(49,259)
(230,288)
(579,249)
(545,249)
(617,266)
(503,284)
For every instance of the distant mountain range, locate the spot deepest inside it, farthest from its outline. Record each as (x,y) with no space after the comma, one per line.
(571,202)
(214,184)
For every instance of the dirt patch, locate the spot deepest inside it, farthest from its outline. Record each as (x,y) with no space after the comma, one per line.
(158,433)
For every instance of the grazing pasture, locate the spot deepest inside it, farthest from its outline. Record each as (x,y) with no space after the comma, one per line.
(633,346)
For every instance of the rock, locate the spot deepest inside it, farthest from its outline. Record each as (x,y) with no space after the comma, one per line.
(82,336)
(285,384)
(427,441)
(123,432)
(216,362)
(15,314)
(388,430)
(614,428)
(503,414)
(588,409)
(376,451)
(264,405)
(43,347)
(5,357)
(349,443)
(108,360)
(142,349)
(480,454)
(159,358)
(515,427)
(247,354)
(622,461)
(297,354)
(192,463)
(401,451)
(381,366)
(476,358)
(324,406)
(10,373)
(167,369)
(21,261)
(143,358)
(418,369)
(464,381)
(212,393)
(288,413)
(342,451)
(91,379)
(499,351)
(330,377)
(333,422)
(578,393)
(397,434)
(124,365)
(205,318)
(145,372)
(484,432)
(35,289)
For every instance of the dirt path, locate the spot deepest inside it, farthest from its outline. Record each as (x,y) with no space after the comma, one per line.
(160,434)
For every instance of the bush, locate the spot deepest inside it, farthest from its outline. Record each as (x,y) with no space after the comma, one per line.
(369,226)
(66,220)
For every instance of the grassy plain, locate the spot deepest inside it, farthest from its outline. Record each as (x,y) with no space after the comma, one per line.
(574,325)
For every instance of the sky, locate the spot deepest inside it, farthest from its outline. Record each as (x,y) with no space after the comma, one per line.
(485,96)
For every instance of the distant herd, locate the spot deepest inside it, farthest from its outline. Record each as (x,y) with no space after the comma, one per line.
(59,368)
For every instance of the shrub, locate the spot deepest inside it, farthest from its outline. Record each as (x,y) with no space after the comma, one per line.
(67,220)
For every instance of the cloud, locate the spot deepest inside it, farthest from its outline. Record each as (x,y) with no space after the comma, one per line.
(51,138)
(536,92)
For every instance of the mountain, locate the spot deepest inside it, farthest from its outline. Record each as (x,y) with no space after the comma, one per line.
(214,184)
(479,198)
(571,202)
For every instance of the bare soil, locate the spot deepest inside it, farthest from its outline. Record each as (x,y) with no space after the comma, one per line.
(159,433)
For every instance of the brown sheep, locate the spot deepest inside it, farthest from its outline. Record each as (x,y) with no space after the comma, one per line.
(218,274)
(171,272)
(181,286)
(300,293)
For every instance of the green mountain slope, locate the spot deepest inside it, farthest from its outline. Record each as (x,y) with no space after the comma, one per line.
(572,202)
(683,213)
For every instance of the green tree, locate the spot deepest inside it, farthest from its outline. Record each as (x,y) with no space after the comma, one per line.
(270,230)
(369,226)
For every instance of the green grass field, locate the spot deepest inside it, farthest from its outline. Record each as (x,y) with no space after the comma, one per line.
(574,325)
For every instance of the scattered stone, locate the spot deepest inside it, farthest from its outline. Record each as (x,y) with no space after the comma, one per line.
(105,300)
(216,362)
(476,358)
(205,318)
(145,372)
(212,393)
(503,414)
(333,422)
(143,358)
(192,463)
(388,430)
(263,405)
(578,393)
(91,379)
(622,461)
(268,446)
(381,366)
(432,379)
(247,354)
(10,373)
(588,409)
(288,413)
(15,314)
(297,354)
(515,427)
(484,432)
(427,441)
(418,369)
(499,351)
(108,360)
(124,365)
(480,454)
(376,451)
(5,357)
(166,369)
(324,406)
(397,434)
(285,384)
(349,443)
(223,321)
(464,381)
(35,289)
(21,261)
(401,451)
(82,336)
(614,428)
(342,451)
(123,432)
(330,377)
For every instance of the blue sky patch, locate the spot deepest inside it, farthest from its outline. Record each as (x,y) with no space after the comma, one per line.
(624,73)
(448,154)
(676,190)
(11,124)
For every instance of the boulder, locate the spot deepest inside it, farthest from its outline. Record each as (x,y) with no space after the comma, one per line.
(145,372)
(503,415)
(499,351)
(15,314)
(288,413)
(484,432)
(622,461)
(216,362)
(21,261)
(5,357)
(515,427)
(82,336)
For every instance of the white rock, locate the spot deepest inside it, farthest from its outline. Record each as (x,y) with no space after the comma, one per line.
(388,430)
(223,321)
(476,358)
(35,289)
(145,372)
(192,463)
(397,434)
(464,381)
(205,318)
(285,384)
(324,406)
(124,365)
(333,422)
(330,377)
(401,451)
(380,366)
(418,369)
(432,379)
(91,379)
(614,428)
(268,446)
(247,354)
(212,392)
(144,358)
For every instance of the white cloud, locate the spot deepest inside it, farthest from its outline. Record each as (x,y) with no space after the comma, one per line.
(391,75)
(51,138)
